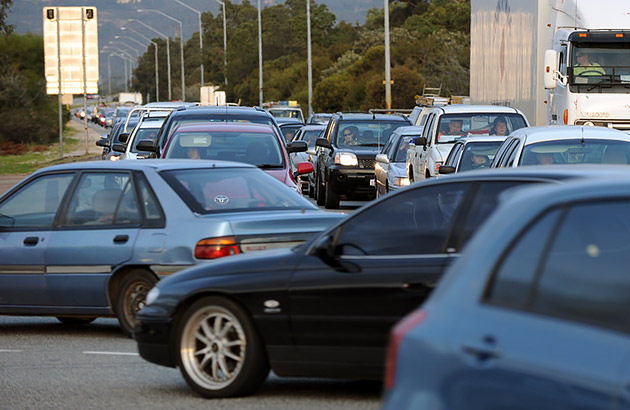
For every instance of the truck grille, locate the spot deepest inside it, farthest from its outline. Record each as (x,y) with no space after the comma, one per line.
(366,163)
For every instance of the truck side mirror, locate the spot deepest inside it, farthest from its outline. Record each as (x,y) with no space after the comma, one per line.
(550,69)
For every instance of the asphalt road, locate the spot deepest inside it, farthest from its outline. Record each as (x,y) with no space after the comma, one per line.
(48,365)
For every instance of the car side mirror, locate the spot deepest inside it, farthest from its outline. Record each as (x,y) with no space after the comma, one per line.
(297,146)
(146,145)
(323,142)
(123,137)
(422,141)
(305,168)
(447,169)
(382,158)
(117,147)
(550,70)
(103,142)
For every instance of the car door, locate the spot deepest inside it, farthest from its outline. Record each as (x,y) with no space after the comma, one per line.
(26,223)
(420,165)
(369,272)
(96,234)
(552,330)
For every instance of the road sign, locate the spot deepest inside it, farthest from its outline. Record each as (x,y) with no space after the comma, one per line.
(71,46)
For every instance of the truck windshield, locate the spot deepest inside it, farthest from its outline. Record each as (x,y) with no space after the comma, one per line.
(455,126)
(600,65)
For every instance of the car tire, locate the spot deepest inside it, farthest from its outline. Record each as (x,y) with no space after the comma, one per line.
(219,350)
(131,297)
(69,320)
(321,193)
(332,198)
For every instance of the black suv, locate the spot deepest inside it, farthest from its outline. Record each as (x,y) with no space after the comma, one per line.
(214,113)
(345,161)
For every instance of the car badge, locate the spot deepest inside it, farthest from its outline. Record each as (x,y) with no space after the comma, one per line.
(272,306)
(221,199)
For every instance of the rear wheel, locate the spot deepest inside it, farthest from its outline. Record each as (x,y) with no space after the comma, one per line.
(321,193)
(132,295)
(220,353)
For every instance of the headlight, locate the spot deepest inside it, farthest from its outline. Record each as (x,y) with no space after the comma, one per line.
(152,295)
(401,181)
(347,159)
(114,158)
(437,167)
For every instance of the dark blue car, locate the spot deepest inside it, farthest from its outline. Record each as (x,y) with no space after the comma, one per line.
(534,315)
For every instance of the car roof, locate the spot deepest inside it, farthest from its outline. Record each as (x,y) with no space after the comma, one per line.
(485,109)
(313,127)
(370,117)
(410,130)
(565,132)
(481,138)
(199,109)
(155,164)
(226,127)
(170,104)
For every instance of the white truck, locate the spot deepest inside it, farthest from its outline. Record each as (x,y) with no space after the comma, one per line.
(524,54)
(134,98)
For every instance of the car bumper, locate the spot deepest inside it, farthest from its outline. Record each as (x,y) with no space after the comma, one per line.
(153,338)
(351,180)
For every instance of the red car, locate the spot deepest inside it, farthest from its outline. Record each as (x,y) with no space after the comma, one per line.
(254,144)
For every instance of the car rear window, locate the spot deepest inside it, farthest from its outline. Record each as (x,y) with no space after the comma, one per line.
(212,190)
(576,152)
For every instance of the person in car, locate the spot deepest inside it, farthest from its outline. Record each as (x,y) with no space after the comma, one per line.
(350,135)
(454,128)
(499,126)
(586,67)
(480,161)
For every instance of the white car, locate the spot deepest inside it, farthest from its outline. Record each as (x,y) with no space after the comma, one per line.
(146,129)
(447,124)
(562,144)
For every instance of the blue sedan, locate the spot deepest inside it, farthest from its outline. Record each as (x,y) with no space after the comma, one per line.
(534,315)
(86,240)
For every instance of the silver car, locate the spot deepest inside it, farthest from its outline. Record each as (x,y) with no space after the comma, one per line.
(86,240)
(390,171)
(472,153)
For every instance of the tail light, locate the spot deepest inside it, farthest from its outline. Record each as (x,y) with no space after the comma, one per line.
(400,330)
(213,248)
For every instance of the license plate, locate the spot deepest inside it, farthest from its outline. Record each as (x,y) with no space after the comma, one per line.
(372,183)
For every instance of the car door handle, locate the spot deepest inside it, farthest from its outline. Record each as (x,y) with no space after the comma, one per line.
(121,238)
(482,353)
(31,240)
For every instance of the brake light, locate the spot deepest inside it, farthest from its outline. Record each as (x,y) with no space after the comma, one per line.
(213,248)
(398,333)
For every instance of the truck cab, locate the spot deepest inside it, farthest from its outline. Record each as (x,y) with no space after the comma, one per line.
(445,125)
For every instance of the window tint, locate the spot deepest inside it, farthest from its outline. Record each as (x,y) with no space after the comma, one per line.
(485,202)
(585,277)
(417,222)
(514,277)
(35,204)
(154,217)
(103,199)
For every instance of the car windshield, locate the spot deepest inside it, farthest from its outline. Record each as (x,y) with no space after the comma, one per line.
(576,151)
(180,120)
(310,136)
(286,113)
(478,155)
(366,135)
(144,134)
(600,63)
(403,146)
(455,126)
(256,148)
(212,190)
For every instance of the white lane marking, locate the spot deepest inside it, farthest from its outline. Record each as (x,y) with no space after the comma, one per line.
(10,351)
(113,353)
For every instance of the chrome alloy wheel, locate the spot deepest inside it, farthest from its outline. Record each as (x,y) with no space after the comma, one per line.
(213,346)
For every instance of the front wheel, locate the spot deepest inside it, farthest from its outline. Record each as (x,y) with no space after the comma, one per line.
(332,197)
(220,353)
(132,295)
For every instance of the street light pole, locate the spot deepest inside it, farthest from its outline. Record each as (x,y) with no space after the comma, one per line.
(200,36)
(142,44)
(388,75)
(181,44)
(310,62)
(168,54)
(127,45)
(222,3)
(155,48)
(260,58)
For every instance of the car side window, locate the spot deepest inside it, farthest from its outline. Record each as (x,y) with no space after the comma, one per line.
(512,282)
(585,276)
(485,202)
(36,203)
(153,214)
(418,222)
(103,199)
(426,130)
(330,129)
(511,155)
(451,160)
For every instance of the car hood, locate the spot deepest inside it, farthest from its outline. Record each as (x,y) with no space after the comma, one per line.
(282,175)
(398,169)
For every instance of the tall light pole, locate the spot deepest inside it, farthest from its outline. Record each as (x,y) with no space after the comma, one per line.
(126,57)
(168,54)
(181,44)
(388,74)
(260,58)
(143,45)
(200,36)
(310,62)
(222,3)
(128,46)
(155,47)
